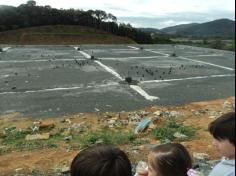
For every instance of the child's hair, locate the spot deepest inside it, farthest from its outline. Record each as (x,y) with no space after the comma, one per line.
(101,161)
(171,160)
(224,127)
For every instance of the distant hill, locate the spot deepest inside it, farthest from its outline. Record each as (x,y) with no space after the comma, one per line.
(216,28)
(150,30)
(61,35)
(3,7)
(175,29)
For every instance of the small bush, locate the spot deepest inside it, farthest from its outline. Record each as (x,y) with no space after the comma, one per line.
(167,131)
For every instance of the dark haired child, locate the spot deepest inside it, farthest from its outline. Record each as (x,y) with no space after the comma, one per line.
(223,131)
(101,161)
(169,160)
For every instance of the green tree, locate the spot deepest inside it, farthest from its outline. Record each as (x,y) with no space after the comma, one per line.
(31,3)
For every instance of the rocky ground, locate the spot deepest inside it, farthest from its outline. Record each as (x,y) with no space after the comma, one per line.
(46,146)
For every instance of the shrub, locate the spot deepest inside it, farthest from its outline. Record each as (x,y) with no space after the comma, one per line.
(170,128)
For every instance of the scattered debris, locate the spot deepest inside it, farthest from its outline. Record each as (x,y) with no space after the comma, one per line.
(143,125)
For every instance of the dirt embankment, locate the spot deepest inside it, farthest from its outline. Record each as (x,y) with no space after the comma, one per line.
(49,159)
(61,35)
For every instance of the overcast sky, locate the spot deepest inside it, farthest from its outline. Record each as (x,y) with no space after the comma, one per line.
(149,13)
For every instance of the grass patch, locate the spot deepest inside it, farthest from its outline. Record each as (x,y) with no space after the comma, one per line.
(106,136)
(15,140)
(167,131)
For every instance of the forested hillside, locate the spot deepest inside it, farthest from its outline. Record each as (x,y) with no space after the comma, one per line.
(30,15)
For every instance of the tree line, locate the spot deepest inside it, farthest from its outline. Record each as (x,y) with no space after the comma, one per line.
(31,15)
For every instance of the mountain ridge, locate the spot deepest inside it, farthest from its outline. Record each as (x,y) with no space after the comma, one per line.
(216,28)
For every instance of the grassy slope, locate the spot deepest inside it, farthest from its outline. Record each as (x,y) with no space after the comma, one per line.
(61,35)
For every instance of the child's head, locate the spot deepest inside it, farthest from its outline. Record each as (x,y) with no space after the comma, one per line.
(101,161)
(169,160)
(223,130)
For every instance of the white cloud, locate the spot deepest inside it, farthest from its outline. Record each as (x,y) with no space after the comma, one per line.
(138,7)
(148,8)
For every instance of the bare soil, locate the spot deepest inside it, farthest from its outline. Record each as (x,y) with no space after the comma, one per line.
(47,160)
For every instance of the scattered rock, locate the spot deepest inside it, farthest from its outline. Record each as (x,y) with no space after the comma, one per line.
(66,133)
(135,118)
(179,135)
(79,127)
(228,105)
(62,170)
(124,122)
(18,169)
(100,141)
(68,121)
(201,157)
(112,122)
(97,110)
(171,114)
(68,138)
(37,123)
(108,116)
(44,136)
(63,120)
(201,112)
(45,126)
(215,113)
(144,113)
(151,126)
(157,113)
(196,113)
(212,117)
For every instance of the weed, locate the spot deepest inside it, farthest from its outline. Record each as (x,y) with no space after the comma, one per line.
(167,131)
(106,136)
(15,139)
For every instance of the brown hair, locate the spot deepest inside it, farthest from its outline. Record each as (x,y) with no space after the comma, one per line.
(101,161)
(224,127)
(171,160)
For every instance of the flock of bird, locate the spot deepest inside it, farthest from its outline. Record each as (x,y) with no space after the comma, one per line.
(159,73)
(140,72)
